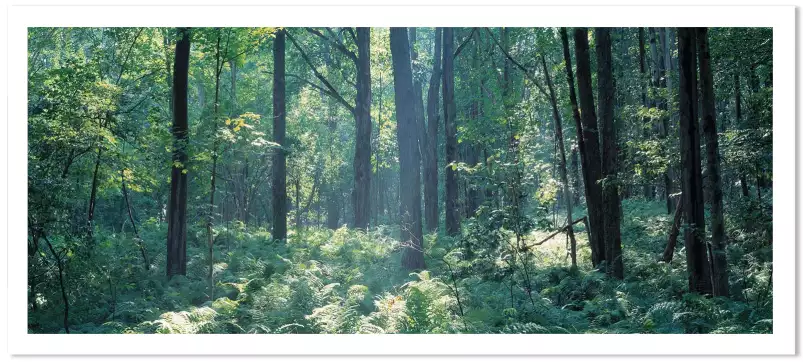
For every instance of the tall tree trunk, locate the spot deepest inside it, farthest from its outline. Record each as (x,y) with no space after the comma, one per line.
(592,148)
(473,193)
(452,208)
(279,190)
(362,112)
(666,60)
(177,206)
(610,192)
(578,125)
(406,133)
(719,265)
(696,254)
(210,237)
(564,179)
(431,160)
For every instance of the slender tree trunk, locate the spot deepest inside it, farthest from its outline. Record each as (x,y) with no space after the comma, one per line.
(65,300)
(93,195)
(177,207)
(666,59)
(362,154)
(738,92)
(696,254)
(124,190)
(592,147)
(610,191)
(210,237)
(564,179)
(578,125)
(279,190)
(452,208)
(431,161)
(719,265)
(406,132)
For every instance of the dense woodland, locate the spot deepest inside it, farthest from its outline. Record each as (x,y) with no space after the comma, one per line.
(402,180)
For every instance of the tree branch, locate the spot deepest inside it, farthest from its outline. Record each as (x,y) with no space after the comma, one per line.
(464,43)
(333,93)
(526,72)
(336,43)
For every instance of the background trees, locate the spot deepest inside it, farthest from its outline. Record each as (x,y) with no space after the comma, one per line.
(138,135)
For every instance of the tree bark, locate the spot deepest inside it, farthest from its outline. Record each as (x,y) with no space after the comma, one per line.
(578,125)
(669,251)
(452,208)
(406,133)
(431,160)
(362,113)
(177,207)
(696,254)
(719,265)
(610,190)
(592,147)
(279,190)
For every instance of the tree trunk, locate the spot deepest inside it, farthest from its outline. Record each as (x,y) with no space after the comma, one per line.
(669,251)
(719,265)
(667,85)
(362,113)
(93,196)
(592,148)
(177,206)
(431,160)
(210,237)
(610,192)
(452,208)
(696,254)
(406,133)
(578,125)
(131,219)
(279,190)
(564,179)
(738,92)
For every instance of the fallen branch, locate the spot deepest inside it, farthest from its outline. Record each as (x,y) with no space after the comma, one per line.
(527,247)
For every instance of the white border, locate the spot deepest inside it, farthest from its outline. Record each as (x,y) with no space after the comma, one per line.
(782,19)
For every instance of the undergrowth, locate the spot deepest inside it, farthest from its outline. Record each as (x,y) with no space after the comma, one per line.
(347,281)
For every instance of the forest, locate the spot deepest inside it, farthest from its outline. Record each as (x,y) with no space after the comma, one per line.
(400,180)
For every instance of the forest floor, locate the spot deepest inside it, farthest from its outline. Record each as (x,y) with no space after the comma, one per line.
(344,281)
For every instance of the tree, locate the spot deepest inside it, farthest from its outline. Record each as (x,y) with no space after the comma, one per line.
(578,125)
(452,210)
(610,188)
(719,265)
(362,153)
(279,126)
(696,253)
(406,133)
(177,207)
(431,151)
(592,148)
